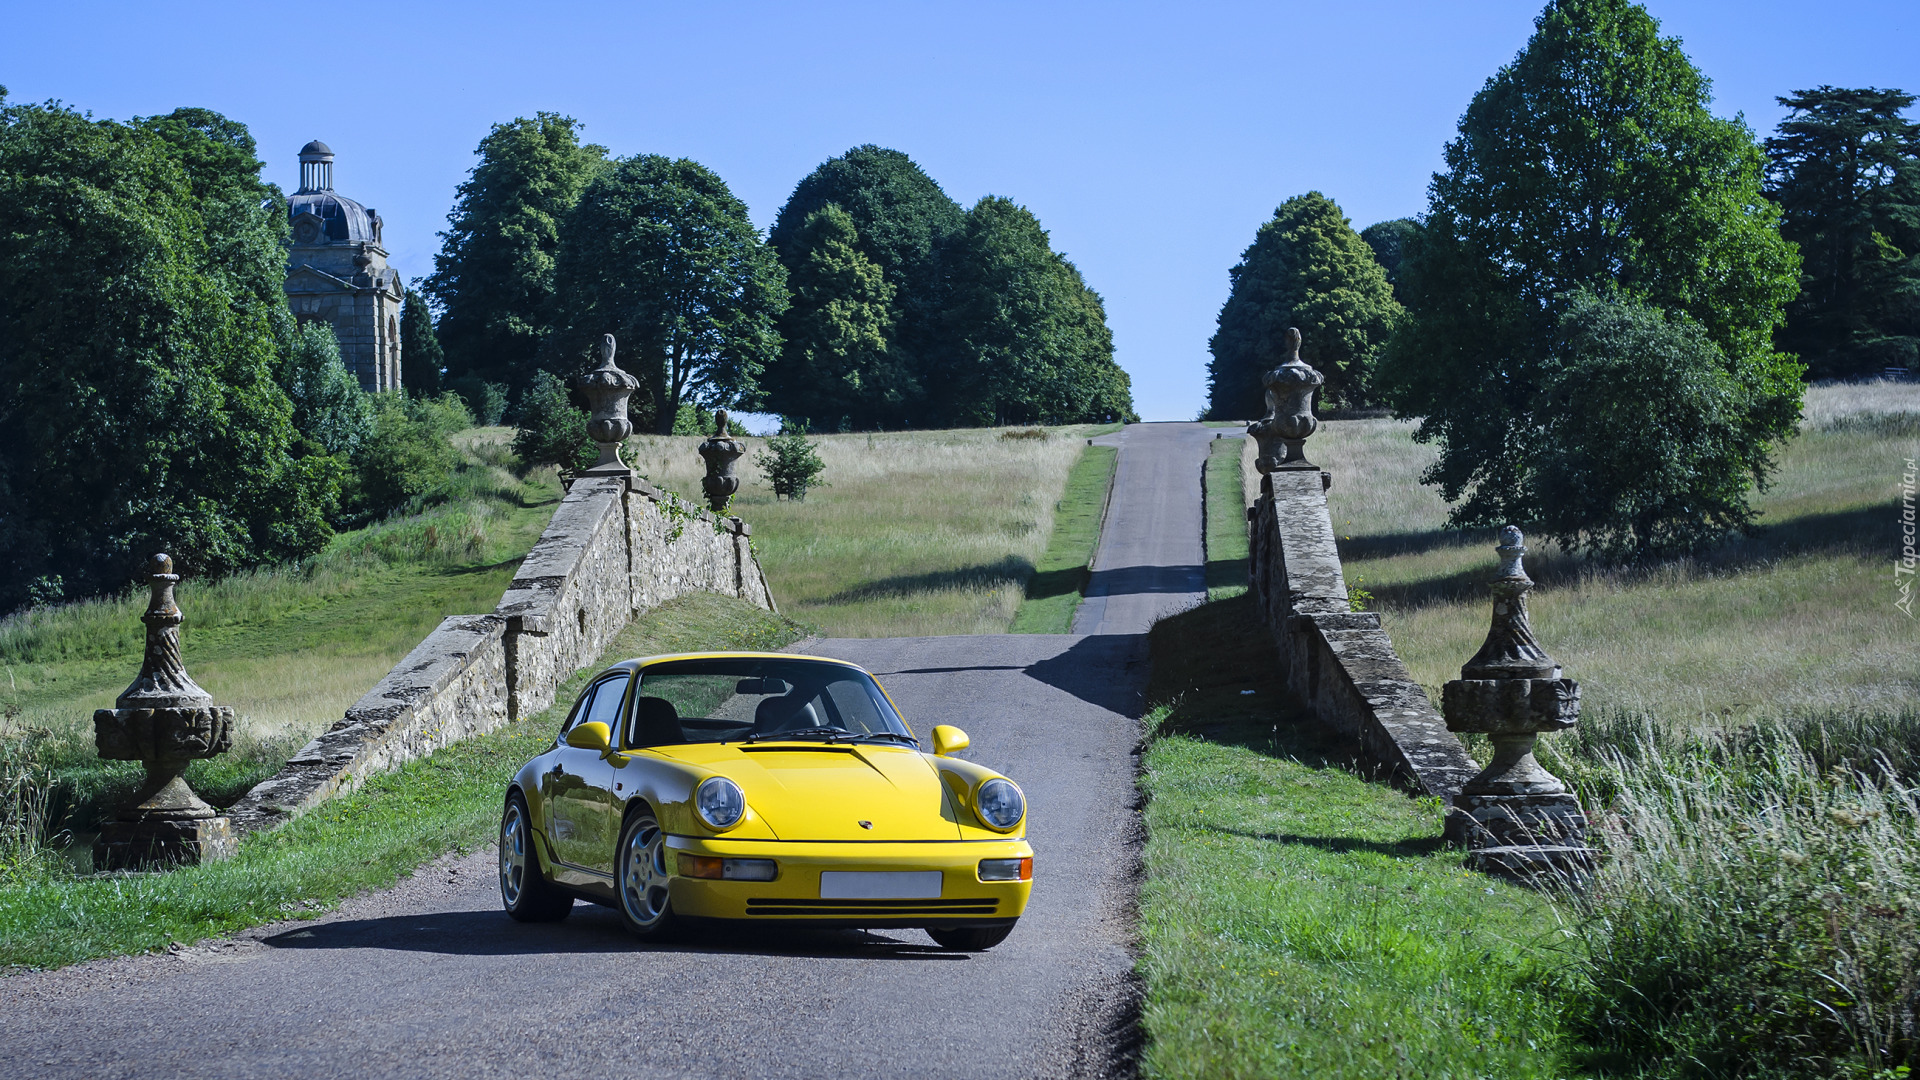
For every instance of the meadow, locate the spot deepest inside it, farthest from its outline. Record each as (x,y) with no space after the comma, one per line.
(914,534)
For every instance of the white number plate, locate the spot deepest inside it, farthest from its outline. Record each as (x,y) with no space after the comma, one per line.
(879,884)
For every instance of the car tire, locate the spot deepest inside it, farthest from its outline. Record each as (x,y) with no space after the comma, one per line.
(640,877)
(524,891)
(969,939)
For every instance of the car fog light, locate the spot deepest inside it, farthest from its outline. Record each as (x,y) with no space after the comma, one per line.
(1000,804)
(720,802)
(706,866)
(1006,869)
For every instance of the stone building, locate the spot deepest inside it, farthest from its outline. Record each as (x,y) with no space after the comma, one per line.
(337,273)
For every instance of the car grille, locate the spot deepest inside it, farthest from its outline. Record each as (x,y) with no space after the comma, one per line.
(893,909)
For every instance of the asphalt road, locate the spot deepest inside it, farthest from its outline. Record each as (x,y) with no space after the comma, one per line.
(1151,561)
(431,979)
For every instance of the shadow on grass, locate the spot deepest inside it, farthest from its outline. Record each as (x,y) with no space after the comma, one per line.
(1387,545)
(1046,584)
(1415,848)
(1012,570)
(590,929)
(1223,573)
(1837,532)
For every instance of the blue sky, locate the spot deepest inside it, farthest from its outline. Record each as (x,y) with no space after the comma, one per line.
(1151,140)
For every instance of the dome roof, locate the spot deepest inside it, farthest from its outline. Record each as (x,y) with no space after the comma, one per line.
(344,220)
(316,148)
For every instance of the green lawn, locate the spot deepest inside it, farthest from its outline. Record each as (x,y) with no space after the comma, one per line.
(1297,920)
(449,800)
(1226,536)
(1059,581)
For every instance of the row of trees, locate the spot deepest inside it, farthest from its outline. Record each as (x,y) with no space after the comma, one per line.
(157,392)
(1596,319)
(876,300)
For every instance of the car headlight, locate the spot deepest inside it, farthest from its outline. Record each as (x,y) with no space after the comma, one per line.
(720,803)
(1000,803)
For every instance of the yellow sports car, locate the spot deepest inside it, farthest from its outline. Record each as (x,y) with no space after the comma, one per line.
(762,787)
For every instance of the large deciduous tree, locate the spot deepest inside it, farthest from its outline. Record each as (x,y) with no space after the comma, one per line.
(493,279)
(1306,268)
(141,325)
(421,357)
(1389,240)
(1845,169)
(1026,339)
(902,220)
(835,364)
(659,253)
(1591,161)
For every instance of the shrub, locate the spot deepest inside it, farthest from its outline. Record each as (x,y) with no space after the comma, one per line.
(328,404)
(551,429)
(791,465)
(406,456)
(487,401)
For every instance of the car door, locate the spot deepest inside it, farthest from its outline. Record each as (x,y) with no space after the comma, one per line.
(582,821)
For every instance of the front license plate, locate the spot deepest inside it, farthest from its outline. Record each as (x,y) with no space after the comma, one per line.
(879,884)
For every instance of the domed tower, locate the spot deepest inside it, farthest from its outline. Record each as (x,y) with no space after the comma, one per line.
(337,272)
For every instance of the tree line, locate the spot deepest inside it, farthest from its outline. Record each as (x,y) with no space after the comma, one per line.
(875,301)
(1605,316)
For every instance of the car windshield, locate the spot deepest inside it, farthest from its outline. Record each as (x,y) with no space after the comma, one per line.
(741,699)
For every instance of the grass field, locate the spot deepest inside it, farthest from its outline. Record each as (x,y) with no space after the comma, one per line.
(1226,528)
(1797,617)
(1059,582)
(365,840)
(1297,920)
(917,533)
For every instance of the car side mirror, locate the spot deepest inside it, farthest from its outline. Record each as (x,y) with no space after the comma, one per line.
(948,739)
(592,735)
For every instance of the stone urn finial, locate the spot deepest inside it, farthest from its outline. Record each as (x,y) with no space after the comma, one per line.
(607,389)
(164,721)
(720,452)
(1511,691)
(1289,418)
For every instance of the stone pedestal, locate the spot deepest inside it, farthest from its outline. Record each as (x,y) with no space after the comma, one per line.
(157,842)
(607,389)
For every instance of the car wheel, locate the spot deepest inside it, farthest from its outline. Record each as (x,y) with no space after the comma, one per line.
(644,903)
(526,894)
(970,939)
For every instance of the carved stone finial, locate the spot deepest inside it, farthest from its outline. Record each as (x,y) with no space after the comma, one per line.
(607,389)
(1289,420)
(164,721)
(1516,812)
(720,452)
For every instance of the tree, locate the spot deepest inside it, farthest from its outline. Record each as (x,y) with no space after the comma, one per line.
(141,323)
(1389,240)
(661,255)
(552,429)
(1589,161)
(1026,339)
(901,220)
(329,407)
(834,361)
(420,355)
(1643,451)
(1306,268)
(1845,170)
(493,279)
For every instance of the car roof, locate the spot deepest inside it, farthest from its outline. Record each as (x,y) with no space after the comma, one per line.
(643,662)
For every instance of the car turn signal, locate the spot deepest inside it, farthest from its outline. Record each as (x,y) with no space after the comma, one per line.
(1004,869)
(707,866)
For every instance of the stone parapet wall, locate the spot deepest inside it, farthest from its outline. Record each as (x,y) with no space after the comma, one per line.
(615,548)
(1340,662)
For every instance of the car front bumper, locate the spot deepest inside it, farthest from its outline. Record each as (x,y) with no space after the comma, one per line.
(794,893)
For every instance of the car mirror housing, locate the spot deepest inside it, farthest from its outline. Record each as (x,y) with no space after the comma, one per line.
(592,735)
(948,739)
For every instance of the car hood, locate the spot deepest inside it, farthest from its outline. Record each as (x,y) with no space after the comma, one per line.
(821,792)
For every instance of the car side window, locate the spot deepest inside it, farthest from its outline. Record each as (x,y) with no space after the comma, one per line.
(601,702)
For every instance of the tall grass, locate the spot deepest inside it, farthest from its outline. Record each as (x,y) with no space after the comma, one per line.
(1758,909)
(920,532)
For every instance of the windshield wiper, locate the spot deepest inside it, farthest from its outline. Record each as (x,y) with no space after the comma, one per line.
(858,736)
(823,733)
